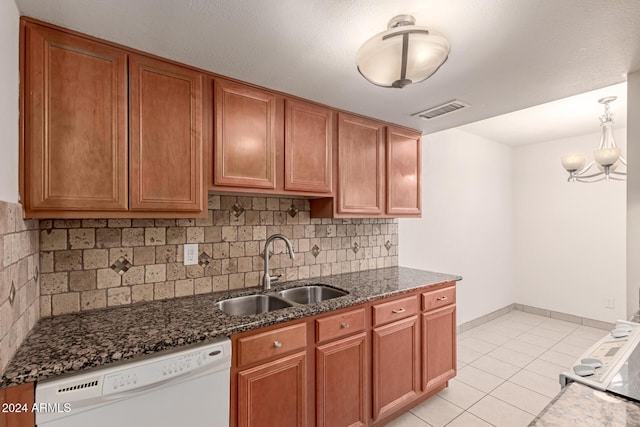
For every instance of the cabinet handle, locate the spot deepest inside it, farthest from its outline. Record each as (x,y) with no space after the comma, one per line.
(277,344)
(344,325)
(398,310)
(441,298)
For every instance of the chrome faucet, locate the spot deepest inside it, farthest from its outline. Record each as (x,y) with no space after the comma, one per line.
(267,278)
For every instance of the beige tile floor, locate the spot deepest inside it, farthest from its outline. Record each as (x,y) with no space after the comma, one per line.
(507,372)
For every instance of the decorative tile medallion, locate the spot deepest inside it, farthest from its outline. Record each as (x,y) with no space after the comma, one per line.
(12,293)
(315,251)
(293,211)
(237,209)
(121,265)
(388,245)
(356,247)
(270,254)
(204,260)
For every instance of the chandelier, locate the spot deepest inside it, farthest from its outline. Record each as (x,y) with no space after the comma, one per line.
(402,55)
(607,158)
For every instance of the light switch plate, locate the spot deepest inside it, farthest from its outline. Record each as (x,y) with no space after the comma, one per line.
(191,254)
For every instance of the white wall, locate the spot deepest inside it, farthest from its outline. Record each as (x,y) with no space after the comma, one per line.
(633,194)
(466,224)
(570,238)
(9,81)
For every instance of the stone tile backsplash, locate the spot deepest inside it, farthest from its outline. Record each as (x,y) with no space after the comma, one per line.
(19,288)
(97,263)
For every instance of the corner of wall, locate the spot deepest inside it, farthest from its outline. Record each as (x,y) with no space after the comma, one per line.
(19,279)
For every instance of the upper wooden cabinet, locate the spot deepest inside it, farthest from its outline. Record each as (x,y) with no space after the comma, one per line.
(78,159)
(245,136)
(360,166)
(166,136)
(308,147)
(378,170)
(75,124)
(404,160)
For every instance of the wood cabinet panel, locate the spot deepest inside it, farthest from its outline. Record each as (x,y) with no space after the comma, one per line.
(438,346)
(276,342)
(308,147)
(166,136)
(274,394)
(395,366)
(360,166)
(23,394)
(394,310)
(75,123)
(340,325)
(245,136)
(440,298)
(341,382)
(404,159)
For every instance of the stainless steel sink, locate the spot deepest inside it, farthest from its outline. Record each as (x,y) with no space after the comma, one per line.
(311,294)
(252,304)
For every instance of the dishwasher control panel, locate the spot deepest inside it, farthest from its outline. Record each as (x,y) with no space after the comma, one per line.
(184,364)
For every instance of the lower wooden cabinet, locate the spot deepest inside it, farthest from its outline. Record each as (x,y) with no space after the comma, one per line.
(341,382)
(438,346)
(360,366)
(274,394)
(20,399)
(395,365)
(438,337)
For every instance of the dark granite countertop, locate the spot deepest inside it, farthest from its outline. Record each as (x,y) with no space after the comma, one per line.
(74,342)
(580,406)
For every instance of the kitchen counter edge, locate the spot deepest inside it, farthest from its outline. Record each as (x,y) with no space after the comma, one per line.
(72,343)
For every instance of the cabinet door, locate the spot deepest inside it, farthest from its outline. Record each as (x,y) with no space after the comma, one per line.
(396,365)
(166,136)
(245,136)
(308,147)
(360,166)
(403,172)
(274,394)
(75,124)
(438,346)
(23,396)
(341,390)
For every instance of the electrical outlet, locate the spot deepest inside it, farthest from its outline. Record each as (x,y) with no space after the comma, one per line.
(610,303)
(191,254)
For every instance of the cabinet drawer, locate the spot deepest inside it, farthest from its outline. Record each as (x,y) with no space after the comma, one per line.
(439,298)
(339,325)
(272,343)
(394,310)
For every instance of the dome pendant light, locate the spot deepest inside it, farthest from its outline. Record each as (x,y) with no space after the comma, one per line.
(402,55)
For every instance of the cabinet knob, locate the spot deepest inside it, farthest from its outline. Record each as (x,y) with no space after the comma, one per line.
(277,344)
(398,310)
(344,325)
(441,298)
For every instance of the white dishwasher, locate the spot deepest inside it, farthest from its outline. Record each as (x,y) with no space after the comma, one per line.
(182,388)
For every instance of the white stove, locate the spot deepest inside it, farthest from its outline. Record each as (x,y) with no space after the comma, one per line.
(611,364)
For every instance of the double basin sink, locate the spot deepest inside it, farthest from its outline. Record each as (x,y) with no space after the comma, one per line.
(257,304)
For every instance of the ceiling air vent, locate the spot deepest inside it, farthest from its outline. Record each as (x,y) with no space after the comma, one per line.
(441,110)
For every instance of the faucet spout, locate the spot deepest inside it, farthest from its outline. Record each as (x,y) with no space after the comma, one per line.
(267,278)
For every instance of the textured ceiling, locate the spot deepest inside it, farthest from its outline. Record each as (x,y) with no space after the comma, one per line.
(506,55)
(564,118)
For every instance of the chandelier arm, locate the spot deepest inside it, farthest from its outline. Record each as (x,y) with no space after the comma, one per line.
(623,160)
(585,169)
(593,175)
(590,180)
(618,173)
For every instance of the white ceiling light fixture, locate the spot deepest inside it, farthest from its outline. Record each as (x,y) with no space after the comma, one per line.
(402,55)
(607,157)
